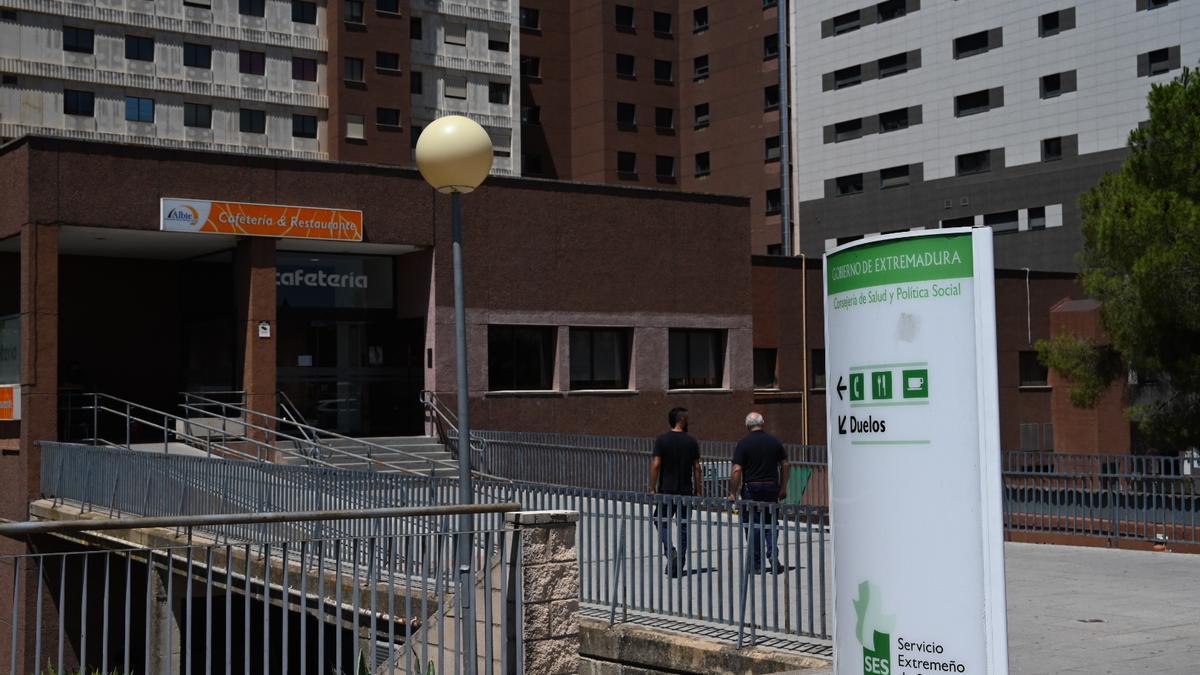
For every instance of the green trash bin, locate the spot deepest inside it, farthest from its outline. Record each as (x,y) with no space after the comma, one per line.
(798,477)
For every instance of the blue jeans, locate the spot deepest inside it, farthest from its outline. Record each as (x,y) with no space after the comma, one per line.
(663,515)
(756,520)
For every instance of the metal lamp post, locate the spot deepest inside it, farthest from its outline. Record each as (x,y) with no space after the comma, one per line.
(454,155)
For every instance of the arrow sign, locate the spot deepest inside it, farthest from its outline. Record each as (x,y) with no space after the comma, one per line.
(842,424)
(840,388)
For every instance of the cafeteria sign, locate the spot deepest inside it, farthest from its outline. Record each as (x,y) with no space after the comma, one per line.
(260,220)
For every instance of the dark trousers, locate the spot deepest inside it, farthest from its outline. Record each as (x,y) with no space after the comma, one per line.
(756,520)
(666,512)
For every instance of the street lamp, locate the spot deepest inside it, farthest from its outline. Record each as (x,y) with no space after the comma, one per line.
(454,155)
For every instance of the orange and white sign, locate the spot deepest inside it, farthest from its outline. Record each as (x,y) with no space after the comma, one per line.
(261,220)
(10,402)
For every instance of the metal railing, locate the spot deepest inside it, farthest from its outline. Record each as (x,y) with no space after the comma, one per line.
(445,426)
(86,602)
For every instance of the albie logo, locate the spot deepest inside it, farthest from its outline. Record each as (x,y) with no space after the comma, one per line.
(320,279)
(873,630)
(183,214)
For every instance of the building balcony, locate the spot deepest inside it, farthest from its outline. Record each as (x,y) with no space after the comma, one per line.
(468,65)
(495,11)
(58,71)
(170,24)
(17,130)
(488,121)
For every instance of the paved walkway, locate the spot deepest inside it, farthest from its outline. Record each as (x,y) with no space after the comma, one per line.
(1101,611)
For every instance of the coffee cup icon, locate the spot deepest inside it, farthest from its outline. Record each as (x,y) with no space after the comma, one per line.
(914,383)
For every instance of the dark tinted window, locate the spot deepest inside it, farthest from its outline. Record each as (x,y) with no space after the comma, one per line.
(304,12)
(139,109)
(664,71)
(79,102)
(199,56)
(139,48)
(625,17)
(82,40)
(700,19)
(304,69)
(387,117)
(697,358)
(387,60)
(252,63)
(662,23)
(252,121)
(600,358)
(252,7)
(627,163)
(197,115)
(521,357)
(304,126)
(764,368)
(625,67)
(529,19)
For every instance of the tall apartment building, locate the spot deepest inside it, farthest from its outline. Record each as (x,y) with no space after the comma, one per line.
(346,80)
(676,94)
(912,114)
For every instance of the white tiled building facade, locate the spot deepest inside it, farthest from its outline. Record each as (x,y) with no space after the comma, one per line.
(970,91)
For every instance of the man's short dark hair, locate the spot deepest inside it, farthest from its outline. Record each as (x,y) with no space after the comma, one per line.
(677,415)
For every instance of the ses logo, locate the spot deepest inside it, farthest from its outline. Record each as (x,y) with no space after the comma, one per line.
(873,630)
(183,214)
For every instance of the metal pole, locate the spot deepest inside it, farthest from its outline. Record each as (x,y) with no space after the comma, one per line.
(466,582)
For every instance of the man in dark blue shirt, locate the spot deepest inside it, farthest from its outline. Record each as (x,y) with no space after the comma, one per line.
(674,471)
(760,472)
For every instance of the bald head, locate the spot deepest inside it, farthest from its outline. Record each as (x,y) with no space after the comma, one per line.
(755,421)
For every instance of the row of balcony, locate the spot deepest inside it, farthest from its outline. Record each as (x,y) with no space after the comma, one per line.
(17,130)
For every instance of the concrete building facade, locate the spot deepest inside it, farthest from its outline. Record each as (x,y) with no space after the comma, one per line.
(918,114)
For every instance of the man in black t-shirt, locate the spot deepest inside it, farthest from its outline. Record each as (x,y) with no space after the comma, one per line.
(760,473)
(675,471)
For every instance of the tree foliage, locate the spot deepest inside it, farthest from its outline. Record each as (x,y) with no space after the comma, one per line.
(1089,367)
(1141,260)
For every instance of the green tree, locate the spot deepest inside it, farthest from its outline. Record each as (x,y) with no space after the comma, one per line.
(1141,260)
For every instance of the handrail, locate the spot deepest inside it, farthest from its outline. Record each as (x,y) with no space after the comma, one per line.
(293,415)
(14,529)
(324,434)
(446,421)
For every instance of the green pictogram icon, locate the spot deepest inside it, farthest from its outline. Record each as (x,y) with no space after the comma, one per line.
(881,385)
(915,383)
(858,387)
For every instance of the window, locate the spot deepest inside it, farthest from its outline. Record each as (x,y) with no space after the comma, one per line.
(81,40)
(387,6)
(771,46)
(893,65)
(304,126)
(252,7)
(414,135)
(703,166)
(893,120)
(662,23)
(975,43)
(531,66)
(1033,373)
(1157,4)
(81,103)
(848,130)
(197,115)
(626,115)
(355,127)
(627,163)
(498,93)
(252,63)
(252,121)
(387,117)
(138,109)
(699,19)
(849,185)
(767,4)
(1158,61)
(764,368)
(531,114)
(139,48)
(697,359)
(600,358)
(664,118)
(199,56)
(625,65)
(700,67)
(529,18)
(817,367)
(1029,437)
(664,166)
(973,162)
(1037,218)
(304,12)
(456,87)
(456,34)
(1052,149)
(414,28)
(354,69)
(895,176)
(1004,221)
(891,9)
(664,71)
(700,116)
(498,44)
(521,358)
(847,77)
(1053,23)
(771,97)
(1052,85)
(972,104)
(624,17)
(774,203)
(965,221)
(416,82)
(771,149)
(354,11)
(844,23)
(387,61)
(304,69)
